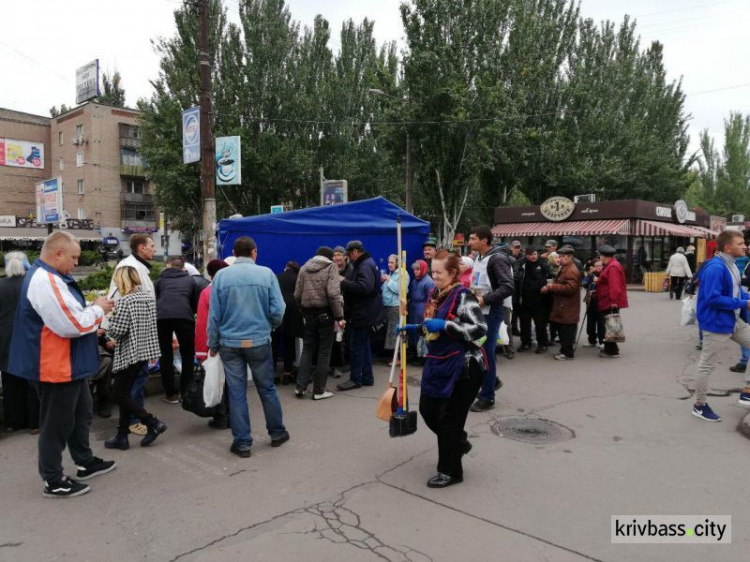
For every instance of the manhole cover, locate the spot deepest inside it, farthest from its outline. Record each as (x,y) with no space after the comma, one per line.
(532,430)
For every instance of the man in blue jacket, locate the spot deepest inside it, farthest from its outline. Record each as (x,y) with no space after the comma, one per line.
(362,292)
(246,305)
(720,300)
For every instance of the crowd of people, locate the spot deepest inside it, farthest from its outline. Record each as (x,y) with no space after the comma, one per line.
(59,354)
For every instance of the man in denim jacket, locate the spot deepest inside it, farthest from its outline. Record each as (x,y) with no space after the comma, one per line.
(246,305)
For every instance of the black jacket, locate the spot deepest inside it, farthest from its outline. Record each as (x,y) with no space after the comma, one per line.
(176,295)
(292,323)
(500,272)
(530,279)
(362,293)
(10,293)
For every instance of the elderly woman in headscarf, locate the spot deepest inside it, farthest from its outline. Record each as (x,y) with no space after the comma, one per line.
(466,267)
(420,288)
(391,291)
(678,271)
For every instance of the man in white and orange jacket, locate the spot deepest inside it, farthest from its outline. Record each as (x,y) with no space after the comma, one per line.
(54,343)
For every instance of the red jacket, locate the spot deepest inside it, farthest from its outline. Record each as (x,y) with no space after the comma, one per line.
(201,323)
(611,289)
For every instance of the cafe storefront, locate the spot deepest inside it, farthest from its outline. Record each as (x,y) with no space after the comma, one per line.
(644,233)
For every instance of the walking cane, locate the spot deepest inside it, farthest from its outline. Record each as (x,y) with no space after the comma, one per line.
(583,323)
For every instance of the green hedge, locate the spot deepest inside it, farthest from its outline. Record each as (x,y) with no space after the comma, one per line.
(98,281)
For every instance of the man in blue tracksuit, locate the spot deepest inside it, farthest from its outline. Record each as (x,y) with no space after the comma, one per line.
(720,300)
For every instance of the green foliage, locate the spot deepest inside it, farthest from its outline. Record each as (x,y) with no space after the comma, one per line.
(54,112)
(112,91)
(156,269)
(89,257)
(98,281)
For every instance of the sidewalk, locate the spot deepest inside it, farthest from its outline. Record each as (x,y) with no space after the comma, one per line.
(621,440)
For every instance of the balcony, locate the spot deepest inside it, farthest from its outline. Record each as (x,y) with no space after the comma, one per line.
(140,198)
(130,142)
(132,171)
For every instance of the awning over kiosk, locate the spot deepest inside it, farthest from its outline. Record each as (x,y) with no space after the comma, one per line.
(653,228)
(564,228)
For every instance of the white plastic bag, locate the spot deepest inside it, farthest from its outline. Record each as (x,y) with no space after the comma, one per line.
(213,384)
(688,311)
(503,338)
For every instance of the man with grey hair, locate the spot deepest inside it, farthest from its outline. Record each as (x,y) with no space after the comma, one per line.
(55,344)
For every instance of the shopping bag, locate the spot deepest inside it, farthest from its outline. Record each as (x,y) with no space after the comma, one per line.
(503,337)
(213,384)
(613,329)
(192,399)
(688,311)
(665,285)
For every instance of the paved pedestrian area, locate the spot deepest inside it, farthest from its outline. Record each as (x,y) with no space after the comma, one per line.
(621,440)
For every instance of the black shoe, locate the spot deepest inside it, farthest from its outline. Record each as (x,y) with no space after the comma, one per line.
(218,423)
(369,383)
(336,373)
(441,480)
(510,353)
(119,441)
(482,405)
(155,428)
(738,368)
(498,384)
(104,410)
(97,467)
(541,349)
(348,385)
(523,348)
(287,378)
(240,452)
(65,488)
(281,440)
(466,447)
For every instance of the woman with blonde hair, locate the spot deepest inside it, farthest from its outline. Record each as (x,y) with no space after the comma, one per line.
(390,290)
(133,327)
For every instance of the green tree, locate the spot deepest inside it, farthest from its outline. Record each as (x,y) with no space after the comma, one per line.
(54,111)
(112,91)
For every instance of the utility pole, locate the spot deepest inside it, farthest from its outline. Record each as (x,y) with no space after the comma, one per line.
(208,183)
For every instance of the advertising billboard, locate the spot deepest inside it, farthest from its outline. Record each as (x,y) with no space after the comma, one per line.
(21,154)
(49,201)
(191,135)
(334,192)
(87,81)
(228,161)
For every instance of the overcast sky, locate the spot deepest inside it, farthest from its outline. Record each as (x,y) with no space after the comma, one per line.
(706,43)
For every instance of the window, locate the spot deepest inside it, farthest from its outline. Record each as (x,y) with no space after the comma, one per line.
(60,137)
(130,157)
(137,212)
(79,159)
(129,131)
(80,187)
(79,131)
(81,213)
(62,164)
(134,186)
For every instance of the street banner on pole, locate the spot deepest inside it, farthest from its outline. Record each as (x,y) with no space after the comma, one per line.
(191,135)
(228,161)
(276,209)
(49,201)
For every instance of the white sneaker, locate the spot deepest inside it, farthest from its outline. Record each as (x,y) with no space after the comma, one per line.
(563,357)
(323,396)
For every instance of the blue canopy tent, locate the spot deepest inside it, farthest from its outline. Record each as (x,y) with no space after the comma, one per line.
(296,235)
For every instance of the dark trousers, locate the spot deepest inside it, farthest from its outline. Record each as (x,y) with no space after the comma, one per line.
(567,334)
(20,403)
(65,419)
(594,324)
(611,348)
(539,315)
(361,356)
(318,341)
(287,341)
(121,391)
(676,286)
(185,332)
(103,384)
(446,417)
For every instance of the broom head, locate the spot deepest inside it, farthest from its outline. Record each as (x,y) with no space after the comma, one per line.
(387,405)
(402,424)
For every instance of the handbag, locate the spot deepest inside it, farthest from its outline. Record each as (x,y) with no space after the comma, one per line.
(614,332)
(192,400)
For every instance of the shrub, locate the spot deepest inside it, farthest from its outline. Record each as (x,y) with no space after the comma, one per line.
(89,257)
(98,281)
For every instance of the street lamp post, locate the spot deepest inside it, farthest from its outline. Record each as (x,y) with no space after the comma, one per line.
(409,205)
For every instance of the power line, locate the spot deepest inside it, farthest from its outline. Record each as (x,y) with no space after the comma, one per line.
(735,87)
(698,7)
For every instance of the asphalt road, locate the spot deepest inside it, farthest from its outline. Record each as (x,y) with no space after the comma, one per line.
(342,490)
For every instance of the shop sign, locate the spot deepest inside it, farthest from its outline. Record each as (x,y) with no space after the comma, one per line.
(557,208)
(682,212)
(664,212)
(8,221)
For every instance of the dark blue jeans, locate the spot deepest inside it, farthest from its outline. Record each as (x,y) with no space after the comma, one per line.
(494,319)
(138,390)
(236,360)
(361,356)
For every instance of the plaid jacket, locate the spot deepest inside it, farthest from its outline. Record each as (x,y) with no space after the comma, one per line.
(133,327)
